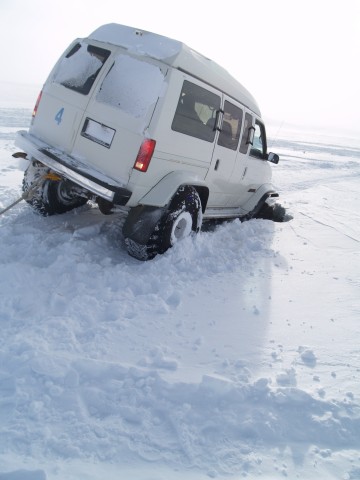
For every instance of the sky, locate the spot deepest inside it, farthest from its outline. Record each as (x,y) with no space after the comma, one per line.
(299,58)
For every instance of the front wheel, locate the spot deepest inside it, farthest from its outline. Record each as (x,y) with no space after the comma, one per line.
(274,212)
(182,218)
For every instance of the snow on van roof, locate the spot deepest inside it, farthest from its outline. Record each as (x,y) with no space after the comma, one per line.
(176,54)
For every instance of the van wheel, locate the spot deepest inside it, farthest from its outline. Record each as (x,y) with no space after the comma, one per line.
(49,197)
(181,219)
(275,212)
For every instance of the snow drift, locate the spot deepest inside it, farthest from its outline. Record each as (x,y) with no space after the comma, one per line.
(235,354)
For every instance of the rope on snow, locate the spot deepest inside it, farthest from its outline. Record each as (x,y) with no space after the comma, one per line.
(28,194)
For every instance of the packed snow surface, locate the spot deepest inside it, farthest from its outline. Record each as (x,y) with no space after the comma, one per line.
(234,355)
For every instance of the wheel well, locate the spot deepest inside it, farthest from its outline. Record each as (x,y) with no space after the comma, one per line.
(203,193)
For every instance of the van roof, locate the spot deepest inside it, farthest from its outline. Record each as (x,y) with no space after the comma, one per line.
(178,55)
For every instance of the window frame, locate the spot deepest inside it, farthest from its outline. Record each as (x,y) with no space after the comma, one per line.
(224,140)
(245,140)
(255,152)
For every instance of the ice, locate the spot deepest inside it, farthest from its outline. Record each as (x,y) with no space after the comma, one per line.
(23,475)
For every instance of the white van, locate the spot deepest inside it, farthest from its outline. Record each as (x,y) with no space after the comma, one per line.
(133,119)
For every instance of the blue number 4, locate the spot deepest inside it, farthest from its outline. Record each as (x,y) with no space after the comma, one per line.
(58,116)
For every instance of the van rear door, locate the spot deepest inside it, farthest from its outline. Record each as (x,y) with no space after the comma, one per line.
(66,94)
(119,113)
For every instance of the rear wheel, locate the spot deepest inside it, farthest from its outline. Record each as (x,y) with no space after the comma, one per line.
(47,193)
(181,219)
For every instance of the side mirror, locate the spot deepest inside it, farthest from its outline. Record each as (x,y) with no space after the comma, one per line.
(273,158)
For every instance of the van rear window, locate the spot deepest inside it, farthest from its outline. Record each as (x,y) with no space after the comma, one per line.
(132,85)
(80,67)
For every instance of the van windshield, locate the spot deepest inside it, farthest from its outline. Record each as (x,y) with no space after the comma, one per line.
(80,67)
(132,85)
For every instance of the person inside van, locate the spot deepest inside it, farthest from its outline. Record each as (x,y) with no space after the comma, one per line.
(186,107)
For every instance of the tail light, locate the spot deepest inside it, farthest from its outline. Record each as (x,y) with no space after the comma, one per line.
(36,105)
(145,154)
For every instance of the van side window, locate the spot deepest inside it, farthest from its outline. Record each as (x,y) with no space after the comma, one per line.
(80,67)
(196,112)
(245,136)
(231,126)
(258,148)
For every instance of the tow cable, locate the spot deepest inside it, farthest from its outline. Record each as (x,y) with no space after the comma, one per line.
(29,193)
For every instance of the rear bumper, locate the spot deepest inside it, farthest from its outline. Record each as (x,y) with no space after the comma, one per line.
(73,169)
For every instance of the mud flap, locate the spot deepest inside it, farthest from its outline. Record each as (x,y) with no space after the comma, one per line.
(141,222)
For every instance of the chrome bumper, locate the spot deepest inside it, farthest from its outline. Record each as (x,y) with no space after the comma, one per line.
(73,169)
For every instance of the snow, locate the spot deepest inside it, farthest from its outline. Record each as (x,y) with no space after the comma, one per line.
(131,79)
(234,355)
(140,42)
(99,132)
(77,68)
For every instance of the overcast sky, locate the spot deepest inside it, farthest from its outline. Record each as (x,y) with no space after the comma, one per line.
(299,58)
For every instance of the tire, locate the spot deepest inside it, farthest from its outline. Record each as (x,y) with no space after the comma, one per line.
(275,212)
(181,219)
(49,197)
